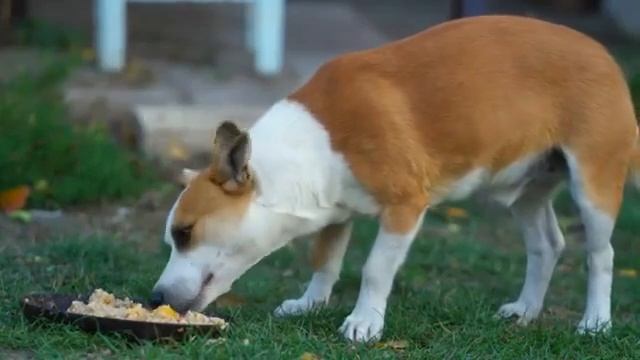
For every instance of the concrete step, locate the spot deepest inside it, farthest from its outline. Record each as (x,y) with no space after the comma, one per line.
(177,133)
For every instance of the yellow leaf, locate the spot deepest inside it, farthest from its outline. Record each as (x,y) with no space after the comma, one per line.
(14,199)
(309,356)
(393,344)
(632,273)
(177,151)
(457,213)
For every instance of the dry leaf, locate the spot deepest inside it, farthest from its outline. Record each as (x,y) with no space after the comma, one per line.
(632,273)
(457,213)
(14,199)
(393,344)
(177,151)
(230,300)
(309,356)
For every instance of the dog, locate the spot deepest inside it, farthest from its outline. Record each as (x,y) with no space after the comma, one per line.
(509,106)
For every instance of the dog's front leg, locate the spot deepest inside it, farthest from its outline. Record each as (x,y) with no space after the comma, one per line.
(327,254)
(398,227)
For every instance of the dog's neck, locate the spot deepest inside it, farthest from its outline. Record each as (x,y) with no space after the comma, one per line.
(298,176)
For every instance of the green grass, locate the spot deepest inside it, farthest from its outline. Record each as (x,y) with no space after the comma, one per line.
(65,164)
(442,303)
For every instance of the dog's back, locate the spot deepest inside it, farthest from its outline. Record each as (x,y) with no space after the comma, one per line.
(414,116)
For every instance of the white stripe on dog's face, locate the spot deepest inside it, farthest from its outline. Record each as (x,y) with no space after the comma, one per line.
(208,252)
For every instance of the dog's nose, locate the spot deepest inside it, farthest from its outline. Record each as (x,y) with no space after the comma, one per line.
(156,299)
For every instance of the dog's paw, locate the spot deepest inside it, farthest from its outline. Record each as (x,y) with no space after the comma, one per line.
(523,312)
(363,326)
(594,324)
(299,306)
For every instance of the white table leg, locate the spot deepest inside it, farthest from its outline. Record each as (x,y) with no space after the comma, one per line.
(269,36)
(111,24)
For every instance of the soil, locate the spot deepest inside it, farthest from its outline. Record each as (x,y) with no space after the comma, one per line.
(141,221)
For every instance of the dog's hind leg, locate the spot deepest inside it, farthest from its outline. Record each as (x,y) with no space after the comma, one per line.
(327,253)
(533,211)
(597,182)
(544,243)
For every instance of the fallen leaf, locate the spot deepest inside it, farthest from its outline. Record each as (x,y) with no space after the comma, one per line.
(456,213)
(393,344)
(177,151)
(230,300)
(14,199)
(631,273)
(309,356)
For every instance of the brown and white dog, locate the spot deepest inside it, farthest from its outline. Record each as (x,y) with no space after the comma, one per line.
(507,105)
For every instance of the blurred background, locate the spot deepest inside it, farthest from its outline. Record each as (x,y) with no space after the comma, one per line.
(103,100)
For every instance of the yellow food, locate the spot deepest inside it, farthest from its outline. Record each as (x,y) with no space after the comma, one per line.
(166,311)
(104,304)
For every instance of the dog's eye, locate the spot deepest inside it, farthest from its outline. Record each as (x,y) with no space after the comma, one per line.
(181,235)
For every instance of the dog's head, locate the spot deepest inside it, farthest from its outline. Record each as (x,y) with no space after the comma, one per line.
(213,240)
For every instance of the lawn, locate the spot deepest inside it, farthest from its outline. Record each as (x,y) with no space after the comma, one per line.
(457,275)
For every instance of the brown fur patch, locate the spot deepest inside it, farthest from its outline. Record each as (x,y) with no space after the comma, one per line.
(414,115)
(202,201)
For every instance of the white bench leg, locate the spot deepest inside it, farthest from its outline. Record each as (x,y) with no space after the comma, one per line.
(268,35)
(111,23)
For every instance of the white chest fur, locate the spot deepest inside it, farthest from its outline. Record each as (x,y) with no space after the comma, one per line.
(298,172)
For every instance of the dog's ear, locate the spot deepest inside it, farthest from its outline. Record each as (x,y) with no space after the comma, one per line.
(230,158)
(186,176)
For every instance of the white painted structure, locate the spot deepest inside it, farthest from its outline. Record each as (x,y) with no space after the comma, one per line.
(264,33)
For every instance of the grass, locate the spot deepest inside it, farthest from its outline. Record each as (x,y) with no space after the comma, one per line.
(64,164)
(442,304)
